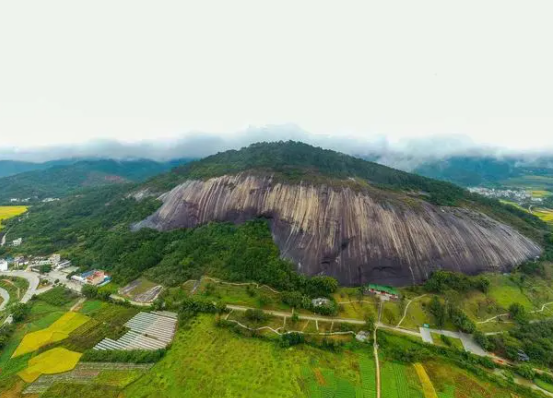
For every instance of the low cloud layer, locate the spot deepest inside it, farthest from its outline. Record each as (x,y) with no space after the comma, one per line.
(405,154)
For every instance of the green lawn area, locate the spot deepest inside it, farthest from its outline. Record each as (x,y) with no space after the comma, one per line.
(417,315)
(355,308)
(249,295)
(391,313)
(206,361)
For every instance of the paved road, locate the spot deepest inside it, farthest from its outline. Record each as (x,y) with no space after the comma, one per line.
(6,296)
(31,277)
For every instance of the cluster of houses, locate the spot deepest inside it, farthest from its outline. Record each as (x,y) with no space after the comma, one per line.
(55,261)
(515,195)
(27,200)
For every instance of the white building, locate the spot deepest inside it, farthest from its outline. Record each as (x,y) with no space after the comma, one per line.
(55,259)
(3,265)
(17,242)
(63,264)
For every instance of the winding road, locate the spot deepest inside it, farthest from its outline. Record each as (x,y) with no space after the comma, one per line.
(31,277)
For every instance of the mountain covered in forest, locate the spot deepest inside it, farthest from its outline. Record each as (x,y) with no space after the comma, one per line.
(491,171)
(337,215)
(59,178)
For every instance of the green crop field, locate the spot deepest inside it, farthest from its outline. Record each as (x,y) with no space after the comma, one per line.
(70,390)
(450,382)
(247,367)
(398,381)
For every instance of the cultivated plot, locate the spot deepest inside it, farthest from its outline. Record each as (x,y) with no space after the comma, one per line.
(148,331)
(58,331)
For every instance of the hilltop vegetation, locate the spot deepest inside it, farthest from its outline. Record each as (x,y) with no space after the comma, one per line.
(293,162)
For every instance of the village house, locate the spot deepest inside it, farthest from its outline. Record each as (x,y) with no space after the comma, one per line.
(3,265)
(386,292)
(17,242)
(94,278)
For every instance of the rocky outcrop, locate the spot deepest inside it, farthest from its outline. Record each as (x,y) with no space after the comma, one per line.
(352,236)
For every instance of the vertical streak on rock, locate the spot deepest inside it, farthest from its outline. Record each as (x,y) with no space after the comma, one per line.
(351,236)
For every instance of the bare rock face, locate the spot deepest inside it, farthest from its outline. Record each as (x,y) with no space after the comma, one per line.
(351,236)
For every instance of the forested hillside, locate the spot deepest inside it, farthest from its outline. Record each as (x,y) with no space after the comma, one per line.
(59,180)
(489,171)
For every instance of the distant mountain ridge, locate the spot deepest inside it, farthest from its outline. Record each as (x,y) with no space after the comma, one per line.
(59,178)
(489,171)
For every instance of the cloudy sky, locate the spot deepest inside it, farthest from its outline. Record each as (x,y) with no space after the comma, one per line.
(473,73)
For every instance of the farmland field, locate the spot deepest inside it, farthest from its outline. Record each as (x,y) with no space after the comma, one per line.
(450,381)
(248,367)
(59,330)
(544,214)
(56,360)
(7,212)
(399,381)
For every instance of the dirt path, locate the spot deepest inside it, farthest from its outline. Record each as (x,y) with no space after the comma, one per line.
(78,305)
(375,352)
(257,285)
(543,307)
(407,308)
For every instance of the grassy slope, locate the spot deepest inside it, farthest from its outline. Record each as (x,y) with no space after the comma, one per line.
(205,361)
(209,362)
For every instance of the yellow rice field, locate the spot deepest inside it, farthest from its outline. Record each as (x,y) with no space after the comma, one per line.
(59,330)
(545,214)
(427,386)
(56,360)
(7,212)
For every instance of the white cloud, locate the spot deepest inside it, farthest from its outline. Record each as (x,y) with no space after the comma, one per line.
(132,70)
